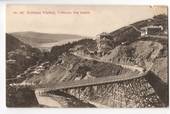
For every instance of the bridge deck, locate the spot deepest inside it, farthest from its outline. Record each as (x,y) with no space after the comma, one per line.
(90,82)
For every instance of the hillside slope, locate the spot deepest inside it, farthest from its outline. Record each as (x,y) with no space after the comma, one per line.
(19,56)
(70,67)
(146,51)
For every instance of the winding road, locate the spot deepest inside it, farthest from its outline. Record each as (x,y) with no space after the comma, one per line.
(133,68)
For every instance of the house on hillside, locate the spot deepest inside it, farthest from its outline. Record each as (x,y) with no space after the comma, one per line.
(105,35)
(151,30)
(103,41)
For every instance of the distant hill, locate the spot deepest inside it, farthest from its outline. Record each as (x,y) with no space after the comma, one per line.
(36,39)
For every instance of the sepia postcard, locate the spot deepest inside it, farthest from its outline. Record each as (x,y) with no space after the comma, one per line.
(87,56)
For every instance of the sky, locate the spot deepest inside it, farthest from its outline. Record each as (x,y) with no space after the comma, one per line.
(71,19)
